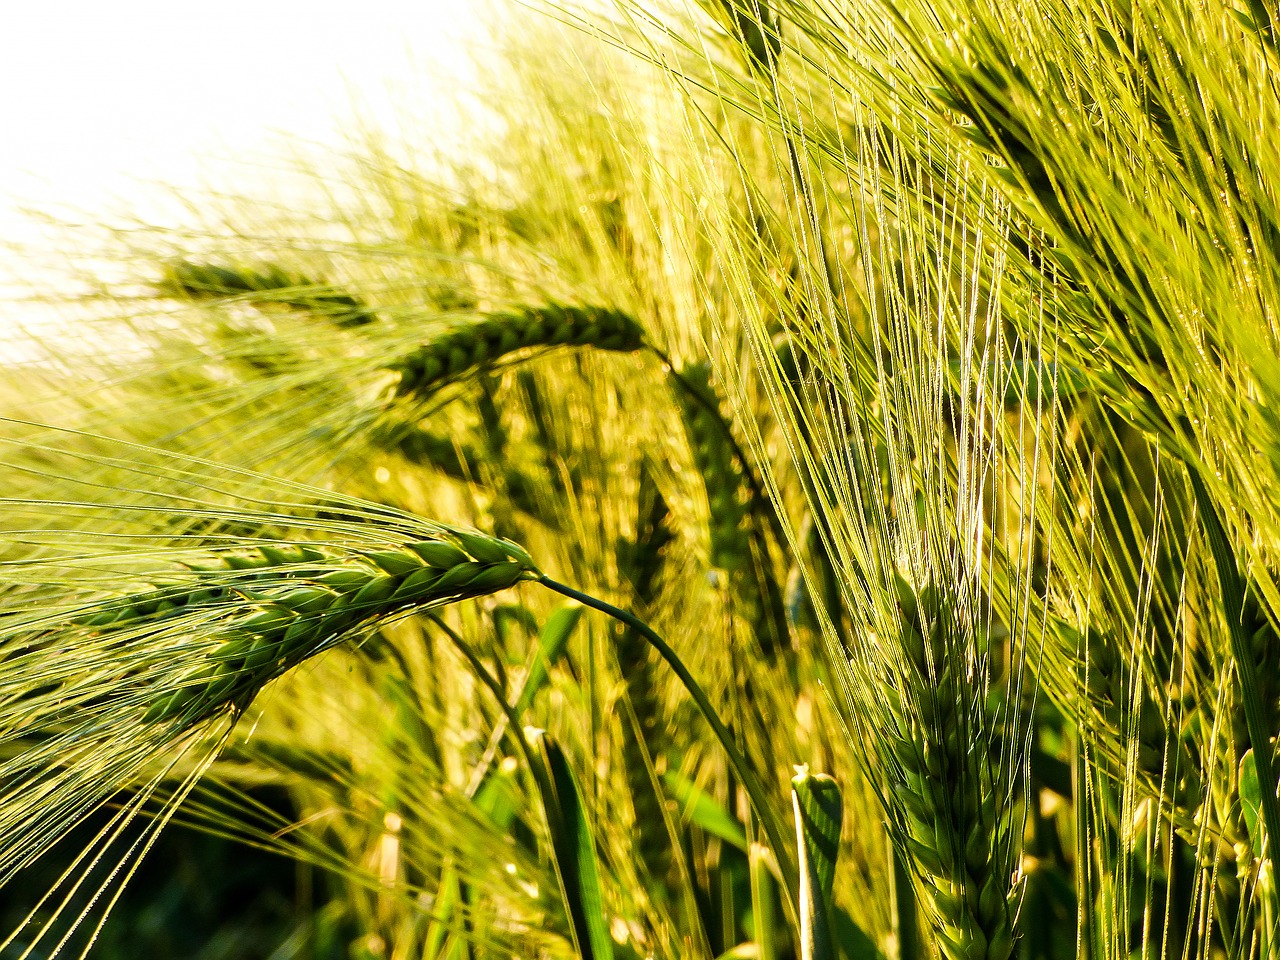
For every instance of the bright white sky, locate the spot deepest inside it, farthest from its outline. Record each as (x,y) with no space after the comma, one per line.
(99,100)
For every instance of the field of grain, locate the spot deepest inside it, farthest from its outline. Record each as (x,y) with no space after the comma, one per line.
(802,482)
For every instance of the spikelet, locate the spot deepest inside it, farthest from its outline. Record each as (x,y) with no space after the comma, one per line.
(279,608)
(469,348)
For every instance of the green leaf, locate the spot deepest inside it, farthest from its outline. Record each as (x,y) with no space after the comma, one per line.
(853,940)
(700,809)
(766,931)
(1250,794)
(819,811)
(574,851)
(498,798)
(444,918)
(551,643)
(1243,18)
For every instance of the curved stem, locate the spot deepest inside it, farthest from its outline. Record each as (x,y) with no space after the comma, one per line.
(586,929)
(736,760)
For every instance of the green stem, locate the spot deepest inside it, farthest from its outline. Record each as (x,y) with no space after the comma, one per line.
(539,771)
(514,726)
(765,933)
(727,740)
(1085,947)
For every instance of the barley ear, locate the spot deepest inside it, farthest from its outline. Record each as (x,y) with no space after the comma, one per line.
(738,511)
(267,626)
(640,564)
(271,286)
(948,794)
(467,349)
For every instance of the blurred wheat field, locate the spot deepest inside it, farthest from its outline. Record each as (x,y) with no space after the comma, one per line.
(801,483)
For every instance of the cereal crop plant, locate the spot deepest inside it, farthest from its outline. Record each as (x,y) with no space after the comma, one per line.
(802,485)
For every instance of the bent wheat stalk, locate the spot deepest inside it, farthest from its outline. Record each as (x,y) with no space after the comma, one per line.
(741,769)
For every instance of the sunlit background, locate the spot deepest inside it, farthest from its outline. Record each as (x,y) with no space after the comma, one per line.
(118,110)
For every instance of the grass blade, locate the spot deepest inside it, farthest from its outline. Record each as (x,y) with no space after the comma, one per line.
(819,811)
(574,847)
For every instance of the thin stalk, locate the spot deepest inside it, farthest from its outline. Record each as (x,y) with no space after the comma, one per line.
(765,933)
(482,673)
(1085,947)
(727,740)
(536,769)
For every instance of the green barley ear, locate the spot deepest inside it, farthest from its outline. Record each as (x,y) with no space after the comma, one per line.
(473,347)
(722,474)
(271,286)
(640,563)
(1118,712)
(947,788)
(819,812)
(271,612)
(737,510)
